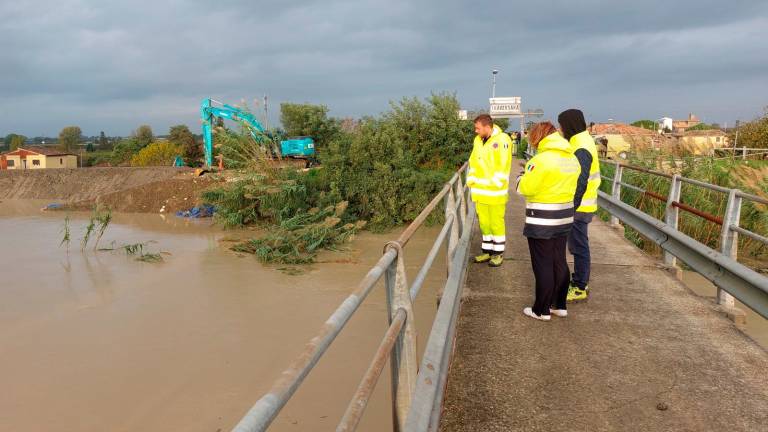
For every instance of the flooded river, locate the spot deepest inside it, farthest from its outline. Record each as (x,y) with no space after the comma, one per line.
(96,341)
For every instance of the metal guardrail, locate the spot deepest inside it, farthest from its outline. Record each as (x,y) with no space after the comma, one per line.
(720,267)
(416,392)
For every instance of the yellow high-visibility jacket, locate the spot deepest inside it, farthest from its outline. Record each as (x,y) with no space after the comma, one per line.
(489,166)
(548,185)
(579,143)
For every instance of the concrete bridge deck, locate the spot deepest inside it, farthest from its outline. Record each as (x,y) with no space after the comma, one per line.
(643,354)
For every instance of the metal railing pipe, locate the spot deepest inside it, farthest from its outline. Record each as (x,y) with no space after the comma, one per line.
(709,186)
(647,171)
(753,198)
(359,402)
(700,213)
(726,273)
(432,375)
(422,275)
(406,235)
(261,415)
(749,234)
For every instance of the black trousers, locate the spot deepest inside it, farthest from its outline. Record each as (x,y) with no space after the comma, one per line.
(551,272)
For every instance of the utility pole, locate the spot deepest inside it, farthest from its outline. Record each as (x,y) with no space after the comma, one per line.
(266,114)
(736,139)
(493,86)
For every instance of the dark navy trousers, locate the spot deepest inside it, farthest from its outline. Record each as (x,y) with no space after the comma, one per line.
(578,246)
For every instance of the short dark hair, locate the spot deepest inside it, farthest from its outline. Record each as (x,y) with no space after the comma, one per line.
(484,119)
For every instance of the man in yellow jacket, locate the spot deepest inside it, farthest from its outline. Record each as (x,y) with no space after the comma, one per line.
(488,178)
(574,129)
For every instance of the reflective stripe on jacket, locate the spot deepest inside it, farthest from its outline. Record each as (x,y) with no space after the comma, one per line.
(583,140)
(548,185)
(489,166)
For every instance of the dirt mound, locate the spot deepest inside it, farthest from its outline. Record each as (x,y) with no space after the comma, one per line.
(124,189)
(164,196)
(72,185)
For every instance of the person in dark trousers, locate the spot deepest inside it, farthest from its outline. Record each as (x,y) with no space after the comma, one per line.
(548,185)
(574,129)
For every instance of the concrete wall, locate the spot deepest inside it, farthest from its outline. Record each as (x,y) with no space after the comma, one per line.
(36,162)
(68,161)
(702,144)
(618,144)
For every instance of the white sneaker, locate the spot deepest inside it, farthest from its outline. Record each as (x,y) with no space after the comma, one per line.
(559,312)
(528,311)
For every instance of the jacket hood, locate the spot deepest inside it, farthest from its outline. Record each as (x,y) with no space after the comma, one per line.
(571,122)
(553,141)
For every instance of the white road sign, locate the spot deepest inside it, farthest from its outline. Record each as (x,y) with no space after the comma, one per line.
(504,107)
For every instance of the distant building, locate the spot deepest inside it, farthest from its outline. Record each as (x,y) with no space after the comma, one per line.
(702,142)
(618,140)
(666,124)
(37,158)
(682,125)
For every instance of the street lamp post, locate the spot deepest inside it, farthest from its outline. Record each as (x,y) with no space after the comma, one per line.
(493,87)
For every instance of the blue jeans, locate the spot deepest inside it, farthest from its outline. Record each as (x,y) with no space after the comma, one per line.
(578,246)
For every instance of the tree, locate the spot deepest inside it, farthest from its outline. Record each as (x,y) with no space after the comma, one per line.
(753,134)
(18,141)
(102,142)
(143,136)
(90,148)
(702,126)
(15,141)
(161,153)
(309,120)
(69,138)
(646,124)
(124,151)
(192,150)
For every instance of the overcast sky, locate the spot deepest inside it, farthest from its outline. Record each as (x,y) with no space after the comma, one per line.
(113,65)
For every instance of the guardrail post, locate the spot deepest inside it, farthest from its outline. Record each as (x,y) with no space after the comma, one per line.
(616,189)
(463,203)
(671,215)
(404,361)
(453,237)
(729,240)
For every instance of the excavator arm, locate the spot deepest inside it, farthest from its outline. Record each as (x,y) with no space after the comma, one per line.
(209,112)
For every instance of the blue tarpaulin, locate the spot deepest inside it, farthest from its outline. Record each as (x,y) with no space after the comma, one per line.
(205,210)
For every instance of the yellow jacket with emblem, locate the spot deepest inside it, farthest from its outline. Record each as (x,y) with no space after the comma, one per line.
(548,185)
(581,145)
(489,166)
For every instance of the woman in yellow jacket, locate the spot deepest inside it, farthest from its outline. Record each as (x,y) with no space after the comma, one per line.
(548,185)
(488,178)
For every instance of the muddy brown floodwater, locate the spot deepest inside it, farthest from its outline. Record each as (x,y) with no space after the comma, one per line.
(96,341)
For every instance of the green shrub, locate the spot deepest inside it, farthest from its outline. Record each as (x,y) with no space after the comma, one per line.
(387,169)
(160,153)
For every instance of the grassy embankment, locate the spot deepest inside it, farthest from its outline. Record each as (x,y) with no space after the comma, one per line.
(749,176)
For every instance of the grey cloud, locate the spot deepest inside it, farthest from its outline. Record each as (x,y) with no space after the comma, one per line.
(113,65)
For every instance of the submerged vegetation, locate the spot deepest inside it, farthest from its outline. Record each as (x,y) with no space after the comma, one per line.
(66,237)
(381,170)
(297,240)
(137,250)
(97,224)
